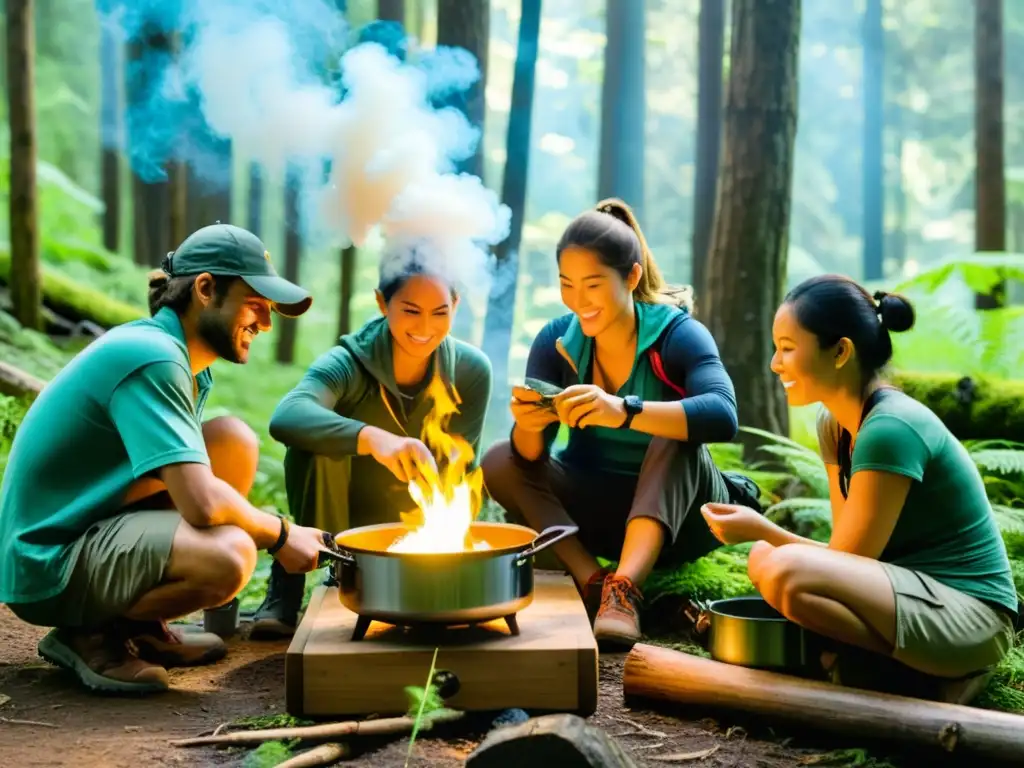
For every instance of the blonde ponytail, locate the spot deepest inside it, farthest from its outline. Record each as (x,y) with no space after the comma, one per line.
(652,288)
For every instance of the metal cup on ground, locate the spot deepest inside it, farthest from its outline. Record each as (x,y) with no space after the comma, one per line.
(222,620)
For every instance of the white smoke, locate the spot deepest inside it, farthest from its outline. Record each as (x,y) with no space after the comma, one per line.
(391,153)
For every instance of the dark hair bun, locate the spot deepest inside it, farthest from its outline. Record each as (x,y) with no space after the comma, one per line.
(896,311)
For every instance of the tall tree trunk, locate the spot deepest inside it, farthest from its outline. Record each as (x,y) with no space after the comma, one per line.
(710,52)
(254,203)
(466,24)
(501,304)
(292,260)
(110,135)
(349,262)
(150,195)
(392,10)
(747,268)
(623,105)
(873,181)
(25,279)
(990,181)
(178,203)
(209,198)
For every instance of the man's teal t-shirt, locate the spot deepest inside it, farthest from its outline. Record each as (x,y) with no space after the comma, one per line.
(946,528)
(124,407)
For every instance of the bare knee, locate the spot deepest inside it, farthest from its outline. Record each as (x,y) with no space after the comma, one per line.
(234,450)
(781,574)
(227,563)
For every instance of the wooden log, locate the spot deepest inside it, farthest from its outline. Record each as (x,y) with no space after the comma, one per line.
(385,726)
(325,754)
(16,382)
(666,675)
(563,740)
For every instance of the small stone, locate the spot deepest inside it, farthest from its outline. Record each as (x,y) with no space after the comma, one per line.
(566,741)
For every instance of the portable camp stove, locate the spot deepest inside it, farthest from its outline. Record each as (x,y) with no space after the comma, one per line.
(544,658)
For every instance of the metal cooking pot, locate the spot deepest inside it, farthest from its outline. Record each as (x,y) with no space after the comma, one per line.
(438,588)
(748,632)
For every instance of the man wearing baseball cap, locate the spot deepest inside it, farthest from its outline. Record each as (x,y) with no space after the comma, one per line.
(120,508)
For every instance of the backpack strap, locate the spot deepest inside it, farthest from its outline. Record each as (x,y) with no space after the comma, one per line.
(656,361)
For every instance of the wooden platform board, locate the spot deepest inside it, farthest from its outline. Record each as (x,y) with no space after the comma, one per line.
(550,666)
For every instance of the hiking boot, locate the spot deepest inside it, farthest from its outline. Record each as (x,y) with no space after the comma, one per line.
(103,662)
(178,647)
(591,592)
(618,618)
(279,613)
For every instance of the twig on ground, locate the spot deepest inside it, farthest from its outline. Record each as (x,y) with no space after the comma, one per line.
(682,757)
(219,729)
(325,754)
(641,729)
(383,726)
(15,721)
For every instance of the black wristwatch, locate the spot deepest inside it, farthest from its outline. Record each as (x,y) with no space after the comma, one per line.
(633,406)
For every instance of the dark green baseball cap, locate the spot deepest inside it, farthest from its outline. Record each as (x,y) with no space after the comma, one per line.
(224,249)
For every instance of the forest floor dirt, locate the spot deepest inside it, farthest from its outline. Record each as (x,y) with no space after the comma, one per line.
(86,730)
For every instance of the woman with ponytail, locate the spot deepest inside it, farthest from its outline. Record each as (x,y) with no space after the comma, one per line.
(915,568)
(642,390)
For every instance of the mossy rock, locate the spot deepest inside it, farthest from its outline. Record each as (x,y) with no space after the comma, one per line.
(716,576)
(989,409)
(75,301)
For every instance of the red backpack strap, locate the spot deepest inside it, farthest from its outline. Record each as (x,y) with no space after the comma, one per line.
(659,370)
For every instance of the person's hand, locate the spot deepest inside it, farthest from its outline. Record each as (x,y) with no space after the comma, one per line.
(529,415)
(734,523)
(587,405)
(301,550)
(408,458)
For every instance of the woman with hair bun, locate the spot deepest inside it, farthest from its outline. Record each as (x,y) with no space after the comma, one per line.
(641,387)
(915,568)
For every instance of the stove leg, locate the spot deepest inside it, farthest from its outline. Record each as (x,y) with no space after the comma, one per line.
(362,624)
(513,623)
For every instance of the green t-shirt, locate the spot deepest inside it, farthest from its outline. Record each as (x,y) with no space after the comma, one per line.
(121,409)
(946,528)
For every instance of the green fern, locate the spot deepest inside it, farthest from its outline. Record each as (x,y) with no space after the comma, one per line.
(1004,461)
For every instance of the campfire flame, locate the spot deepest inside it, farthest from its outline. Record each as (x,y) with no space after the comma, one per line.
(447,504)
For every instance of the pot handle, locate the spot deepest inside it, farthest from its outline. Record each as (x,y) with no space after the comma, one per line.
(331,552)
(548,537)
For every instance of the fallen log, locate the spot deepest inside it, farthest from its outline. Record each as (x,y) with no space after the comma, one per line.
(325,754)
(385,726)
(666,675)
(16,382)
(563,740)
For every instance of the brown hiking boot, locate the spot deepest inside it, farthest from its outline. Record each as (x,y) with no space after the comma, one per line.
(103,662)
(591,592)
(618,618)
(158,643)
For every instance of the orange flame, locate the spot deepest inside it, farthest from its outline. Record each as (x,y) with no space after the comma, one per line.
(448,503)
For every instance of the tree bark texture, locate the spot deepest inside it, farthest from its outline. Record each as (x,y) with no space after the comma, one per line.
(623,105)
(467,24)
(747,266)
(873,191)
(254,204)
(292,260)
(23,203)
(666,675)
(501,304)
(349,261)
(110,136)
(391,10)
(151,219)
(710,53)
(990,181)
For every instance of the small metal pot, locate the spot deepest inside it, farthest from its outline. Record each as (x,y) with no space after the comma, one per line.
(438,588)
(748,632)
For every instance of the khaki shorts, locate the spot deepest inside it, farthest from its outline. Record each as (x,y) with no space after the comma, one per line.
(119,560)
(943,632)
